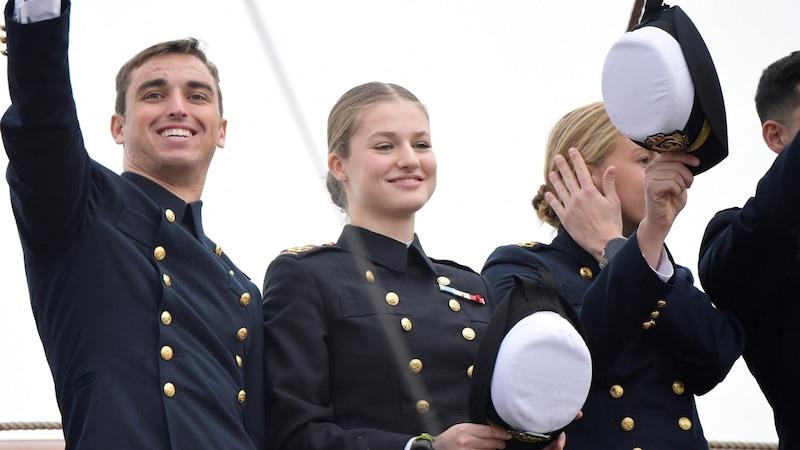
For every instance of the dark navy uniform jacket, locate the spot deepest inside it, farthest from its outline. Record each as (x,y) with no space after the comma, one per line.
(363,347)
(153,336)
(750,265)
(654,345)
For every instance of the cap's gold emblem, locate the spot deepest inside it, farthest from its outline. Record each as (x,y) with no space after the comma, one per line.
(678,141)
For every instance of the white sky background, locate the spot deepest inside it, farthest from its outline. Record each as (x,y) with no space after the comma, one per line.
(495,77)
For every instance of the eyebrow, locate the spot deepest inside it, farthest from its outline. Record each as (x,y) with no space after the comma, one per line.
(161,82)
(391,134)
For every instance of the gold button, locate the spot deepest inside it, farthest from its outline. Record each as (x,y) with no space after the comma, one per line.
(170,215)
(392,299)
(678,387)
(648,325)
(616,391)
(637,448)
(241,334)
(166,317)
(423,406)
(370,276)
(654,314)
(468,333)
(469,371)
(443,281)
(242,395)
(415,365)
(405,322)
(685,423)
(586,273)
(454,305)
(238,361)
(167,280)
(166,353)
(218,250)
(244,300)
(160,253)
(627,424)
(662,303)
(169,390)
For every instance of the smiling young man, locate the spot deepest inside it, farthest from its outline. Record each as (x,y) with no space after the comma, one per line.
(152,334)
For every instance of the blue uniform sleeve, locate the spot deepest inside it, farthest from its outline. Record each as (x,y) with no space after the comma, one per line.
(745,252)
(628,299)
(49,172)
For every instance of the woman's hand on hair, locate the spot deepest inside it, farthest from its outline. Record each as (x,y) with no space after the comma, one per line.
(591,216)
(666,180)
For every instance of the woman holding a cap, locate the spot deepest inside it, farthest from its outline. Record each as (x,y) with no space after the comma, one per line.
(369,343)
(656,340)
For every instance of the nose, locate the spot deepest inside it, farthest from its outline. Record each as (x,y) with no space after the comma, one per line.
(176,105)
(407,157)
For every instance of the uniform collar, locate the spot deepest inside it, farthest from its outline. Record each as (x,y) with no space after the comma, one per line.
(565,243)
(381,249)
(187,214)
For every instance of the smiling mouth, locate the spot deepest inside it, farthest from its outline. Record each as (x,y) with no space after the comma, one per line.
(176,133)
(407,180)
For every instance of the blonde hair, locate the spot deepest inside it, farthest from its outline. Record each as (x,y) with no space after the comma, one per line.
(343,122)
(588,129)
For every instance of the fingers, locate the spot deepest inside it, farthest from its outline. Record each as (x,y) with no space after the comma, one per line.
(582,174)
(609,185)
(563,180)
(672,167)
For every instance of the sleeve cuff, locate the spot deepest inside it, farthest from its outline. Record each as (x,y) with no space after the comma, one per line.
(29,11)
(665,270)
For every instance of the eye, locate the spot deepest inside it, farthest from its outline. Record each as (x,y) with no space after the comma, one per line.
(645,160)
(422,145)
(198,97)
(383,147)
(153,96)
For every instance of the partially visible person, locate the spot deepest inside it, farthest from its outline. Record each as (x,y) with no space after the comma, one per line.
(370,343)
(152,334)
(647,367)
(750,256)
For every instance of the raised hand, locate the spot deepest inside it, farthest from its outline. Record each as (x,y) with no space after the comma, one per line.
(591,216)
(665,183)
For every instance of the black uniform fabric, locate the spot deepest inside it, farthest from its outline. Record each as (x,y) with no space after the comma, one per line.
(644,376)
(749,264)
(364,350)
(143,319)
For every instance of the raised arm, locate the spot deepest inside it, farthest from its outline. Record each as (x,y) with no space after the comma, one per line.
(755,246)
(49,172)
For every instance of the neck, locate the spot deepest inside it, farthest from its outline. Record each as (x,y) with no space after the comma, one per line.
(187,189)
(399,229)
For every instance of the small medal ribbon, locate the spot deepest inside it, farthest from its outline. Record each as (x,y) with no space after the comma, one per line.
(471,297)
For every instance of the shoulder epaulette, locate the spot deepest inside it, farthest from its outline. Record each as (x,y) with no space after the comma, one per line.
(303,249)
(447,262)
(528,244)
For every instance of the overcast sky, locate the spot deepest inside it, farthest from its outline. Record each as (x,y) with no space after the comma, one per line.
(495,77)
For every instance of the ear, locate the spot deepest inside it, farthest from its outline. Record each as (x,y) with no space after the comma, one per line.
(117,123)
(336,167)
(774,134)
(222,130)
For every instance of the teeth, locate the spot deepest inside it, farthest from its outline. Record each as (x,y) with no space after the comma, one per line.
(176,132)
